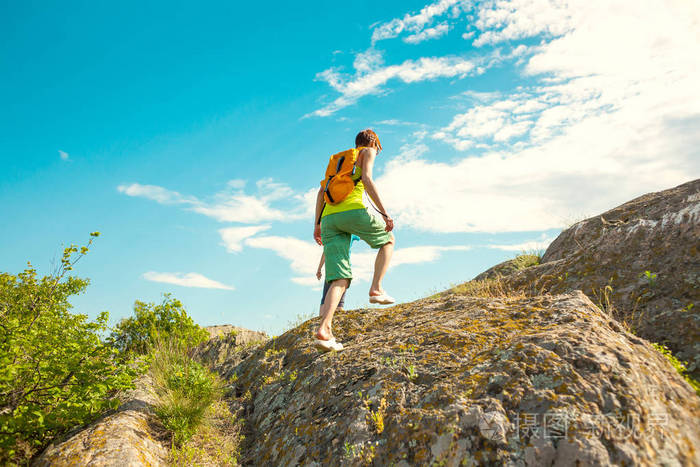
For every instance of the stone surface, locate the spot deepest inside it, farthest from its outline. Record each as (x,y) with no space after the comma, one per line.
(526,373)
(128,437)
(657,232)
(243,335)
(123,438)
(228,346)
(546,380)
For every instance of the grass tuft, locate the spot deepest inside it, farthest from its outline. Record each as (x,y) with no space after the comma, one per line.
(679,366)
(300,319)
(183,387)
(493,287)
(191,407)
(527,259)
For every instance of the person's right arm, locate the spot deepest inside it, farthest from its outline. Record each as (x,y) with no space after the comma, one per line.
(368,157)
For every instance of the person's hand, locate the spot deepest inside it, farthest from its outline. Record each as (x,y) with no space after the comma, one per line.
(389,223)
(317,234)
(318,274)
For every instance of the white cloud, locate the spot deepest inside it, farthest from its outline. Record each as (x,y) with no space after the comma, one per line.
(155,193)
(233,237)
(236,184)
(532,245)
(371,76)
(395,122)
(429,33)
(363,262)
(415,23)
(304,257)
(614,113)
(233,204)
(242,208)
(368,60)
(190,279)
(503,20)
(63,155)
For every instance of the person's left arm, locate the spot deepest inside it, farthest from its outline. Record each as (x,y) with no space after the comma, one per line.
(320,266)
(317,215)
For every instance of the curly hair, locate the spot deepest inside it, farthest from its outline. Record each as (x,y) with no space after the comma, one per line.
(368,138)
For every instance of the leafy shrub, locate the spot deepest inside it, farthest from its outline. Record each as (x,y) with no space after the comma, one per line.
(183,387)
(167,320)
(55,371)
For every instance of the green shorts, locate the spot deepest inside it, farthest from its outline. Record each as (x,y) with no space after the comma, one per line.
(336,230)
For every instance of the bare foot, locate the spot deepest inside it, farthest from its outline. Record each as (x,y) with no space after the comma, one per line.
(324,334)
(376,292)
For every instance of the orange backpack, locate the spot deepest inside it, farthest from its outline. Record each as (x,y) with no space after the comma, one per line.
(339,181)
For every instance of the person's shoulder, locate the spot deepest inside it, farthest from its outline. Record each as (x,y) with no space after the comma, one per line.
(365,151)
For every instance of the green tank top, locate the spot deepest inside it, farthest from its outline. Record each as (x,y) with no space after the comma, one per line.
(353,200)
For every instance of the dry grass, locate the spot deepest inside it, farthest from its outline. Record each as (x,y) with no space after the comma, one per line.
(216,442)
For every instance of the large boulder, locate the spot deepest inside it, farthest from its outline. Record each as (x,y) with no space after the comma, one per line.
(228,345)
(466,380)
(640,262)
(128,437)
(242,336)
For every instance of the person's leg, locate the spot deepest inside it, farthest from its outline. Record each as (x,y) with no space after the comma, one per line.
(372,230)
(326,286)
(336,247)
(381,264)
(341,303)
(336,290)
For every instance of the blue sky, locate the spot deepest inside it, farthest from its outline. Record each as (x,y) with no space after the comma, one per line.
(193,135)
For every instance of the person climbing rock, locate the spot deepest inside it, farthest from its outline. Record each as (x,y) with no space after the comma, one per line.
(340,213)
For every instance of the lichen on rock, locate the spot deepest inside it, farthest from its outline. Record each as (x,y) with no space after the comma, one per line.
(640,262)
(127,437)
(495,381)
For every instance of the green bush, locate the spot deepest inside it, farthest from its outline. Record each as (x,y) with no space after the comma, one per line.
(56,373)
(167,320)
(183,387)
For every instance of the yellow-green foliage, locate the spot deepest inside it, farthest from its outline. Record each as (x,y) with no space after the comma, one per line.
(679,366)
(55,371)
(166,320)
(527,260)
(376,417)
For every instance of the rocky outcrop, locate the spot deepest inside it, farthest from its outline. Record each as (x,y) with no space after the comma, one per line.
(466,380)
(124,438)
(640,261)
(243,336)
(228,346)
(521,369)
(130,436)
